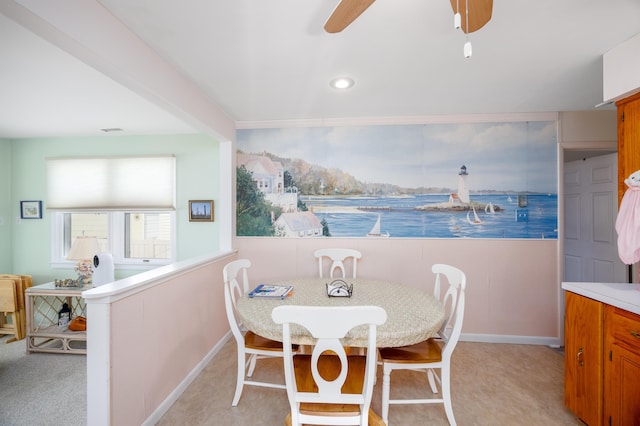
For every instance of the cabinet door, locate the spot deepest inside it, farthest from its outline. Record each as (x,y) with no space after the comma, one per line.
(583,383)
(624,398)
(622,369)
(628,140)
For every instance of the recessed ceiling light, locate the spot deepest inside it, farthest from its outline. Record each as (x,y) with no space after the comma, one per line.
(342,83)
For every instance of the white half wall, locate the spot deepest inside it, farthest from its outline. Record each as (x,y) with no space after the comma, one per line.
(512,285)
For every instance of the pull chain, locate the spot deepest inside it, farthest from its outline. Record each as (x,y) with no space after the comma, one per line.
(467,45)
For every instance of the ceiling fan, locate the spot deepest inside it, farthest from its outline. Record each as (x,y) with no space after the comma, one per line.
(348,10)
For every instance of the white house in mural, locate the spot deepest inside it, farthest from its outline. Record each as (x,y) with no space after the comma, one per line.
(299,224)
(463,191)
(268,176)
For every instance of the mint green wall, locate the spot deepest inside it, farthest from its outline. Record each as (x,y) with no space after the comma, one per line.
(5,206)
(197,178)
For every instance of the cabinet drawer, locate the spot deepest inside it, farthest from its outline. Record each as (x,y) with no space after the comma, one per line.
(625,329)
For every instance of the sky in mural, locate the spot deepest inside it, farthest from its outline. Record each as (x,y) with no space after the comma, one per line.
(510,156)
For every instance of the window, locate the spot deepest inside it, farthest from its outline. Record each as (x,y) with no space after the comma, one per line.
(147,236)
(133,238)
(128,203)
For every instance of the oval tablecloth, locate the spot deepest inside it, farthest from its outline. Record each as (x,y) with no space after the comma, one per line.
(413,315)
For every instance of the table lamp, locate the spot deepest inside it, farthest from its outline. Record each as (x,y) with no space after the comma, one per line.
(83,249)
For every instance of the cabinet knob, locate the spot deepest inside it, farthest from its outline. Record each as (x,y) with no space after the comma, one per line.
(635,334)
(579,357)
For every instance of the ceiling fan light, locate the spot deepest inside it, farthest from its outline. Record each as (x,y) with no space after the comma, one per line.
(342,83)
(467,49)
(457,21)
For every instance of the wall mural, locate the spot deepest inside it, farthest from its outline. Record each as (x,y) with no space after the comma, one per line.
(477,180)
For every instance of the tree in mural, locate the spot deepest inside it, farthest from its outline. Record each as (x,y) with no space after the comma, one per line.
(253,212)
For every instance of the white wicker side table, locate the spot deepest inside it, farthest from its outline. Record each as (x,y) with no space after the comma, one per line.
(43,302)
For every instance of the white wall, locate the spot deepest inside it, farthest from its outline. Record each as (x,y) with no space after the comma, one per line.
(150,336)
(621,70)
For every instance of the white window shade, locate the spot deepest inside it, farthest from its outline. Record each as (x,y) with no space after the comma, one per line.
(111,183)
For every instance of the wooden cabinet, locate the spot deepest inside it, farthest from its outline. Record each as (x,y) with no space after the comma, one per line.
(602,362)
(583,384)
(622,367)
(628,140)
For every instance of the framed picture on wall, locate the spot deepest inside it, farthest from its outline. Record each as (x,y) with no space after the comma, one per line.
(31,209)
(200,210)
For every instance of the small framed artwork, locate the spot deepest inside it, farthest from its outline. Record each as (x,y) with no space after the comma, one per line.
(200,210)
(31,209)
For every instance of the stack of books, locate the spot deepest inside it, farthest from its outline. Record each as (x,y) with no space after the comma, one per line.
(272,291)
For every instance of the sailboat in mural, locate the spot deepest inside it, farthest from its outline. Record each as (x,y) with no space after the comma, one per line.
(489,209)
(476,220)
(375,231)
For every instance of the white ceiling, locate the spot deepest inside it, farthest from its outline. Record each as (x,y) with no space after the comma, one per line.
(271,60)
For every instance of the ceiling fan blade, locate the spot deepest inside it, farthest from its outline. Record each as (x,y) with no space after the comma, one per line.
(479,13)
(345,13)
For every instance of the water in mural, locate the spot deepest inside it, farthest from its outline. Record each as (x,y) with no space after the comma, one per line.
(534,217)
(450,180)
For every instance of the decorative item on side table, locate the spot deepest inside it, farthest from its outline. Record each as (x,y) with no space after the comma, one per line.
(64,315)
(103,269)
(83,250)
(67,283)
(79,323)
(339,288)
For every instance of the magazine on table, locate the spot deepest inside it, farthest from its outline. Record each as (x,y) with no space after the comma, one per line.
(271,291)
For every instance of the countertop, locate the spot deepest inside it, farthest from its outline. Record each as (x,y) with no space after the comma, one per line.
(623,296)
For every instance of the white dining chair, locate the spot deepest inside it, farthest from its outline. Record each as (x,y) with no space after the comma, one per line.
(328,387)
(432,354)
(338,257)
(250,346)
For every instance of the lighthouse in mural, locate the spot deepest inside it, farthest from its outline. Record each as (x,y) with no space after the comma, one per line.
(463,190)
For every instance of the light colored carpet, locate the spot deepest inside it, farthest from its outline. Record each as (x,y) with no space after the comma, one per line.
(492,384)
(41,388)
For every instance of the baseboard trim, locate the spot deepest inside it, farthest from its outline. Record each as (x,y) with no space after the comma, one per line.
(520,340)
(184,384)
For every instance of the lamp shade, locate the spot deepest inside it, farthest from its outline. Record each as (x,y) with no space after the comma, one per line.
(84,248)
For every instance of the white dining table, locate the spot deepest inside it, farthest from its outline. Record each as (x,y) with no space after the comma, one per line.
(413,315)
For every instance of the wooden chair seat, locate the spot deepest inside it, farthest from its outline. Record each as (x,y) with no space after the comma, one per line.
(374,419)
(330,387)
(423,352)
(254,341)
(329,367)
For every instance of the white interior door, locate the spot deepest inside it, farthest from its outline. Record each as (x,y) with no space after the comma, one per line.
(590,211)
